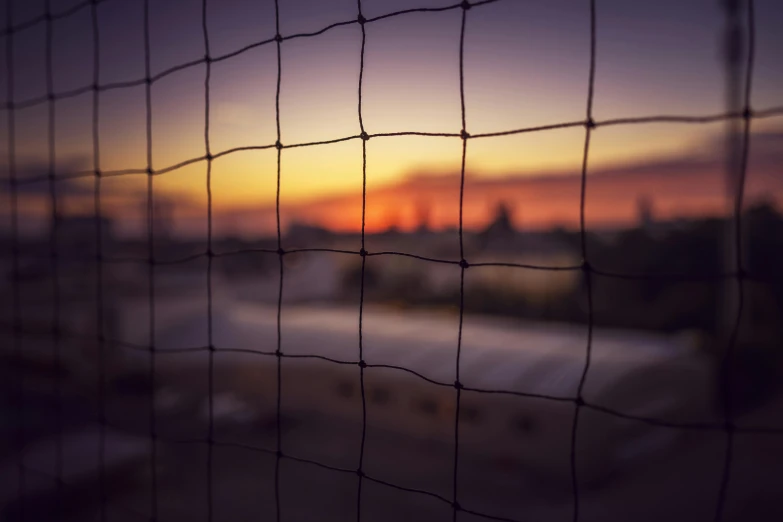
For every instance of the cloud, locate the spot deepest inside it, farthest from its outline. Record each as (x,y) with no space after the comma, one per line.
(679,185)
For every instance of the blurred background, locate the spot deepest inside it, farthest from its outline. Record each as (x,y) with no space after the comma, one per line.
(193,333)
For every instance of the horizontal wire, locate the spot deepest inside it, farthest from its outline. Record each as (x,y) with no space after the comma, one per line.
(539,128)
(688,426)
(414,256)
(329,467)
(330,250)
(407,489)
(294,458)
(412,372)
(631,276)
(658,422)
(487,516)
(528,395)
(337,469)
(767,113)
(47,333)
(529,266)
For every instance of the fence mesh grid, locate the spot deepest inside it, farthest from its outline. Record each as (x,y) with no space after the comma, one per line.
(738,15)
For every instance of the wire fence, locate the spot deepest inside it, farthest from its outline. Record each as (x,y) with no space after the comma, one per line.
(739,18)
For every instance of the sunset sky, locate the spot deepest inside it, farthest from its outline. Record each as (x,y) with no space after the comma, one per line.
(526,64)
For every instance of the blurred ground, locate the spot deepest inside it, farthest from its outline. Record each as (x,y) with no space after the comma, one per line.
(681,485)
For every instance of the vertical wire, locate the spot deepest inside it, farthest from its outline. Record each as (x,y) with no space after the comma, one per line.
(151,273)
(280,254)
(16,295)
(363,253)
(589,125)
(210,256)
(737,171)
(54,258)
(99,260)
(463,262)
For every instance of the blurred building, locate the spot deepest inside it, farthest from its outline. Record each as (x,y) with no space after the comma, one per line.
(78,234)
(645,212)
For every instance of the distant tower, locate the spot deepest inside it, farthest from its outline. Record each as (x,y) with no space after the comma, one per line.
(501,224)
(645,213)
(500,233)
(423,216)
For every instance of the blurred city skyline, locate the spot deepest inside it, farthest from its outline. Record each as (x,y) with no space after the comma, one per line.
(525,65)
